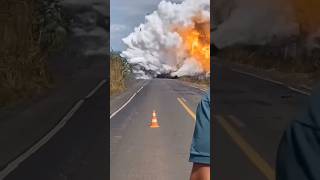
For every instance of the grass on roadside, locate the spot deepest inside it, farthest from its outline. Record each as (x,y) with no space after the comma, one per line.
(119,71)
(200,80)
(22,66)
(300,64)
(23,58)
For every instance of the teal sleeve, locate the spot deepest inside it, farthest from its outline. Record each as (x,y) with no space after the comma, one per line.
(298,155)
(200,147)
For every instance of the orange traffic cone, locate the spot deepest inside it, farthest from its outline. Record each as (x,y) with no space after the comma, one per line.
(154,120)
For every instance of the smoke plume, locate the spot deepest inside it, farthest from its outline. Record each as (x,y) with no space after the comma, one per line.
(258,22)
(255,22)
(174,39)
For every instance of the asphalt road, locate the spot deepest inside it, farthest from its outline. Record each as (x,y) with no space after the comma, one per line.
(139,152)
(250,116)
(77,151)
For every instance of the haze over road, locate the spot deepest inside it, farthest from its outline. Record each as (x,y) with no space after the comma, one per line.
(139,152)
(250,115)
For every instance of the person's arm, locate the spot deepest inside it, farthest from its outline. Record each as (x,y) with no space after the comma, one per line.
(200,172)
(200,147)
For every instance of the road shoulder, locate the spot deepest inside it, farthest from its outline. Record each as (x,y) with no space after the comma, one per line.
(132,86)
(75,71)
(202,87)
(296,81)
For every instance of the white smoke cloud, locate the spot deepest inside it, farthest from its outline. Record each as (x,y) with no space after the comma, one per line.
(190,67)
(156,48)
(255,22)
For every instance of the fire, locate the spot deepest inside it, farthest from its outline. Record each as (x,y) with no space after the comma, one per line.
(197,44)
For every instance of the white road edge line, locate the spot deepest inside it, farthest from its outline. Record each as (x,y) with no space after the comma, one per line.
(124,105)
(92,92)
(190,85)
(15,163)
(298,90)
(204,90)
(273,81)
(259,77)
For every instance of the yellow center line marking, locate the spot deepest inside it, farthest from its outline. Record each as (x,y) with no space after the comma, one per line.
(236,121)
(253,156)
(249,151)
(185,106)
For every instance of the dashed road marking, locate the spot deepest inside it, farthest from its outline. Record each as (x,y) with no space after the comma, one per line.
(185,106)
(236,121)
(246,148)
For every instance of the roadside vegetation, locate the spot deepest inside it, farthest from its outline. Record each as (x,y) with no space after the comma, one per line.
(277,58)
(299,68)
(202,80)
(30,30)
(120,70)
(297,54)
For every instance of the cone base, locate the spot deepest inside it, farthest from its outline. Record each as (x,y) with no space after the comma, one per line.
(154,126)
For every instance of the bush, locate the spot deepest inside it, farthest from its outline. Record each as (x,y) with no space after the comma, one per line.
(52,23)
(271,58)
(23,48)
(119,71)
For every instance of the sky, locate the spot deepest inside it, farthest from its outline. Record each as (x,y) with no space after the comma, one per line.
(127,14)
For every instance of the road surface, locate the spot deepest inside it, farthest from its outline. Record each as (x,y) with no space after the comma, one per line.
(79,150)
(139,152)
(250,115)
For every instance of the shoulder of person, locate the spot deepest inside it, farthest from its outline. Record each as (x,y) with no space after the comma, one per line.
(206,96)
(311,116)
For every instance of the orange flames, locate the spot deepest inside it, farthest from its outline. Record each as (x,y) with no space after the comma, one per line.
(197,43)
